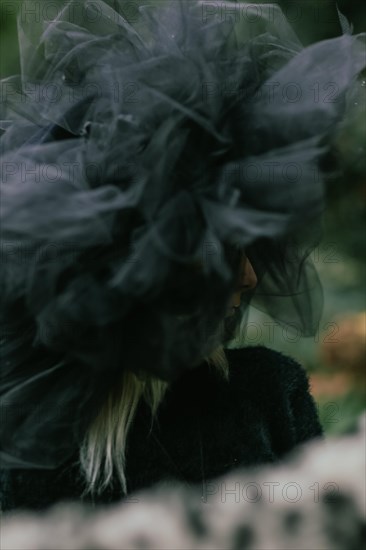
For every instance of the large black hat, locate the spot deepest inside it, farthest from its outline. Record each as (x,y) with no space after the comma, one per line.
(143,147)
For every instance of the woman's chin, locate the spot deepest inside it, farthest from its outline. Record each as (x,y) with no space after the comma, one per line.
(230,311)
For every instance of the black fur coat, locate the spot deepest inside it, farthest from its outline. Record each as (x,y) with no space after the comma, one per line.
(205,427)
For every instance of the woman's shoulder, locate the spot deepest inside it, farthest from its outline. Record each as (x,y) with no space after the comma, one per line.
(280,387)
(254,372)
(261,354)
(260,378)
(266,368)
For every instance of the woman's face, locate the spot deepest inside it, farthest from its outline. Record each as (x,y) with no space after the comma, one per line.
(247,280)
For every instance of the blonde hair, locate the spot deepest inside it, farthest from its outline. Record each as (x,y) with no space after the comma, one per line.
(102,453)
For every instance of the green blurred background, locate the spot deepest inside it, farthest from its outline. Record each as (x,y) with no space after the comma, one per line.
(336,357)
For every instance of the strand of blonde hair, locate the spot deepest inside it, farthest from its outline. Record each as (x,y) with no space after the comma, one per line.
(103,450)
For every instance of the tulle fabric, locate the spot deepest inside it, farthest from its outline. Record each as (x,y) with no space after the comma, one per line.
(141,150)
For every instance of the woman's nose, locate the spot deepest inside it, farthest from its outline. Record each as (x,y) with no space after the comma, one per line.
(248,279)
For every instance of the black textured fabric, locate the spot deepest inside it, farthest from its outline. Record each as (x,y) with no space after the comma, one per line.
(205,427)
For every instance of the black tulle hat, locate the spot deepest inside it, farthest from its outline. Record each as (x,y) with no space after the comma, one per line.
(142,151)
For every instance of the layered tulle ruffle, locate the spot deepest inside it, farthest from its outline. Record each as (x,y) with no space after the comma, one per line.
(139,150)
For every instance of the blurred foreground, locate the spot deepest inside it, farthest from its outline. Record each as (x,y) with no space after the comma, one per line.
(314,499)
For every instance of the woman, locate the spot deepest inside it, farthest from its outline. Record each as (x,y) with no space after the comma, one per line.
(240,407)
(142,156)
